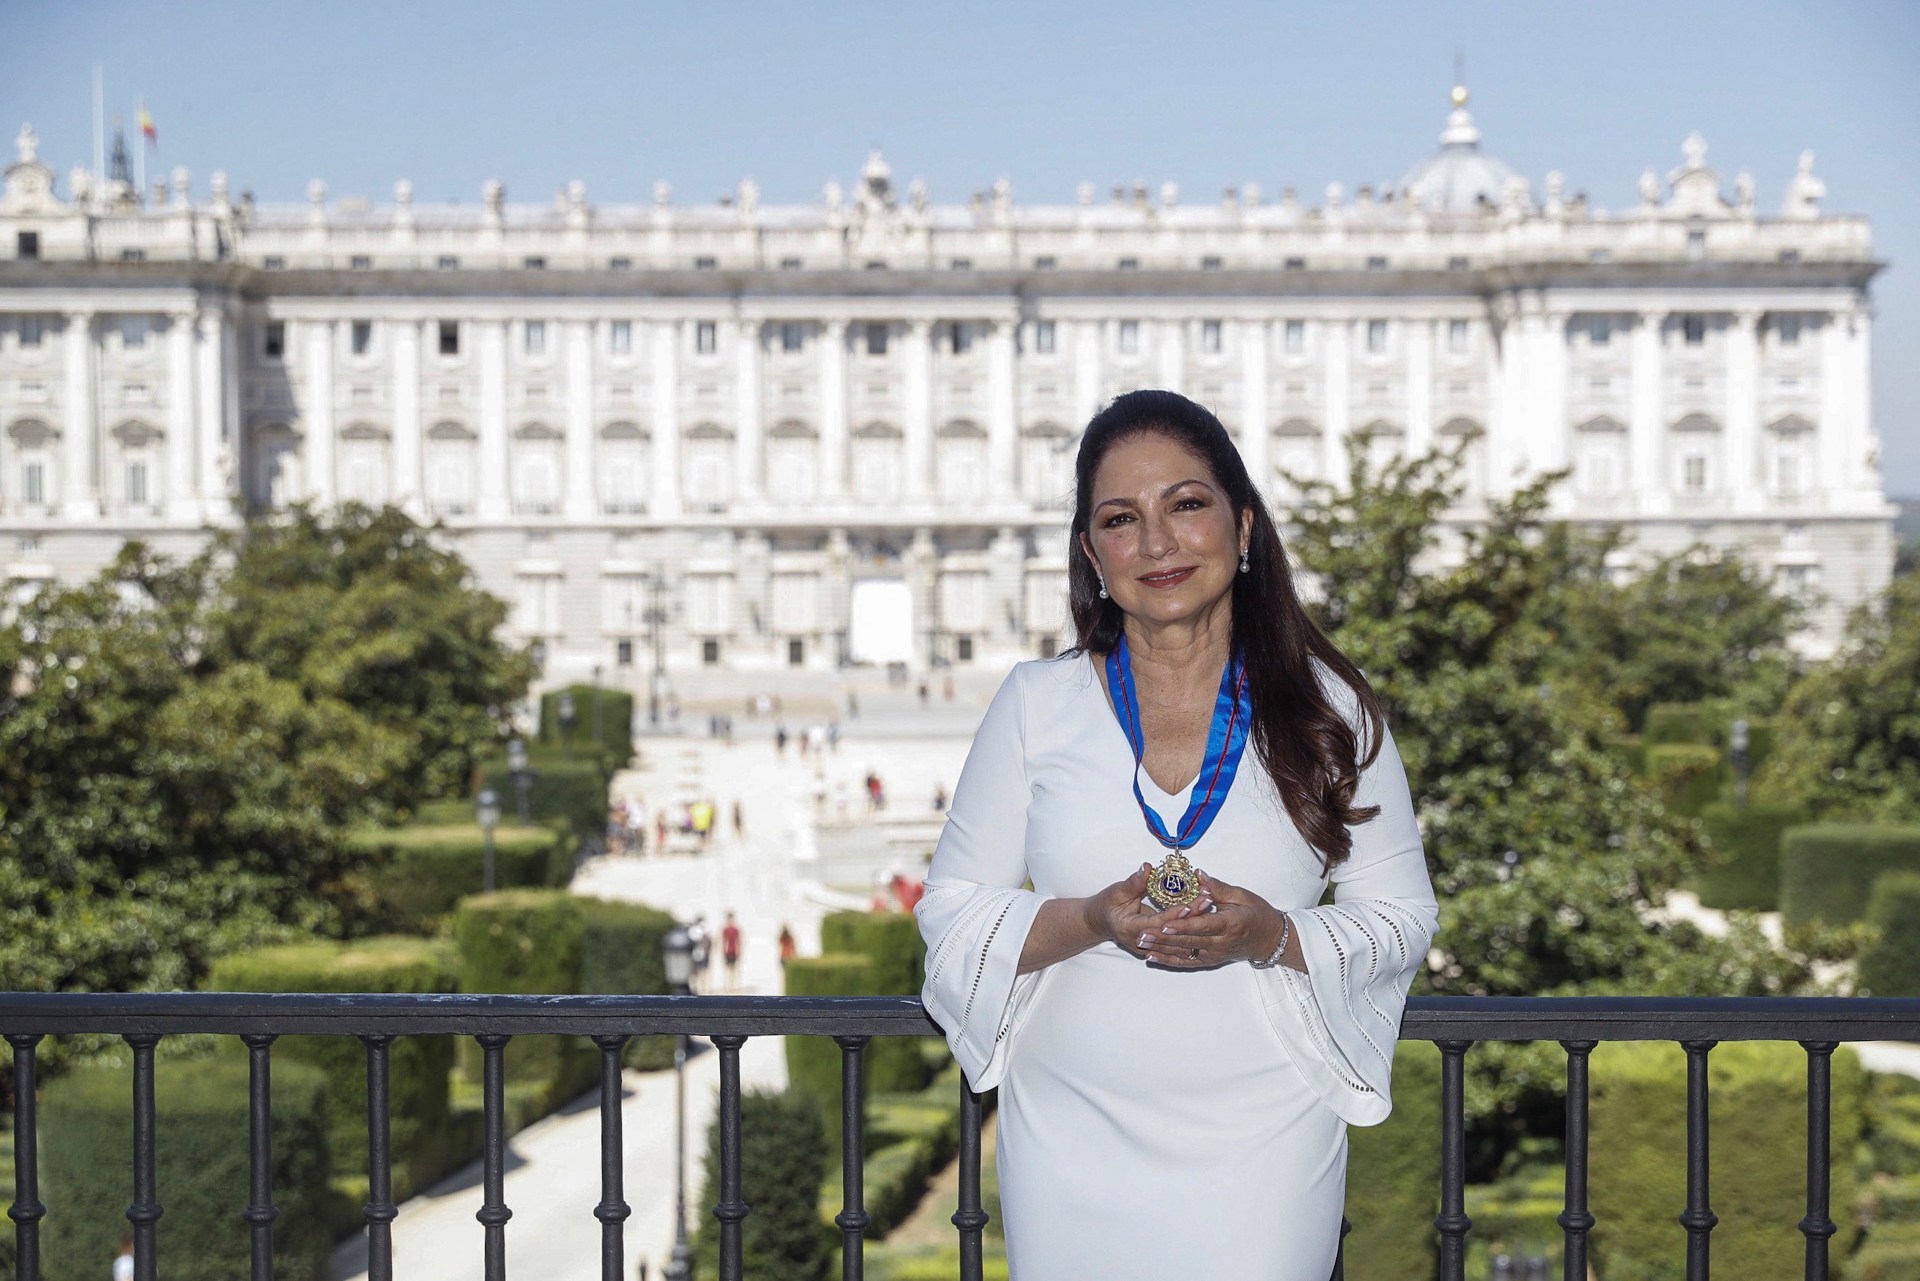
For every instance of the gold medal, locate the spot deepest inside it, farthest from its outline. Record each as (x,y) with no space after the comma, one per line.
(1175,883)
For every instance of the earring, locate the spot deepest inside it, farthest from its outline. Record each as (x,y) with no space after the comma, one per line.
(1244,567)
(1103,586)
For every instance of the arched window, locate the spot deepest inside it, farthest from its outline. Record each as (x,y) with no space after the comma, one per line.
(960,462)
(626,468)
(365,464)
(1600,457)
(452,452)
(1696,455)
(793,462)
(1046,465)
(708,467)
(877,462)
(536,470)
(1790,456)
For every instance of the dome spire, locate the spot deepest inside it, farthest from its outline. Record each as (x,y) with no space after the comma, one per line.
(1460,130)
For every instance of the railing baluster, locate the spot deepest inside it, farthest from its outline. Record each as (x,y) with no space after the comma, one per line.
(970,1218)
(26,1210)
(853,1218)
(1575,1220)
(731,1209)
(1452,1221)
(379,1211)
(145,1211)
(1698,1219)
(493,1212)
(613,1208)
(1818,1225)
(261,1211)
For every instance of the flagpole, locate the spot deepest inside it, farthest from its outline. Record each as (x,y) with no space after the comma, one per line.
(99,129)
(140,150)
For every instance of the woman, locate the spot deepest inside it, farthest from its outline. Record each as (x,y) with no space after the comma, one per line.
(1177,1073)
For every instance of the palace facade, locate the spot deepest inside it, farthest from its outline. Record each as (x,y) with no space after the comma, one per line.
(743,435)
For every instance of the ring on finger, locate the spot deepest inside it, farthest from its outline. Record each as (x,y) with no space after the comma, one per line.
(1194,955)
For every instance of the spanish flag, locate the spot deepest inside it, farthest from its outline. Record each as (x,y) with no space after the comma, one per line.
(147,130)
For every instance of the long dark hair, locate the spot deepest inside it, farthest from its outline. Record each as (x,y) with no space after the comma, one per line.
(1305,744)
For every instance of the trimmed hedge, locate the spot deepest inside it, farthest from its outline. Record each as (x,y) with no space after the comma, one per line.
(1637,1168)
(526,941)
(200,1164)
(417,1066)
(813,1062)
(1687,776)
(1827,870)
(417,874)
(1392,1192)
(891,940)
(910,1139)
(783,1158)
(570,791)
(622,953)
(1889,1253)
(1890,966)
(1709,724)
(616,722)
(1743,868)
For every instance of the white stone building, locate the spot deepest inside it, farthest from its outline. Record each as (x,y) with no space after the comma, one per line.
(845,430)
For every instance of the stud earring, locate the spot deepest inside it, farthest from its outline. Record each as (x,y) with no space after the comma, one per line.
(1244,567)
(1103,586)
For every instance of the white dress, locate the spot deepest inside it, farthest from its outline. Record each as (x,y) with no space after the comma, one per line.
(1164,1123)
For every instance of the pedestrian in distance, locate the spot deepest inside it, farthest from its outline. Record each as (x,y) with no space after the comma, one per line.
(739,822)
(788,947)
(730,951)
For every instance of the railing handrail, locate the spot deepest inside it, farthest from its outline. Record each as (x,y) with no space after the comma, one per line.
(1431,1018)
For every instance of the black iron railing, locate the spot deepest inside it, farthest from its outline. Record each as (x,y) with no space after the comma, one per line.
(1454,1024)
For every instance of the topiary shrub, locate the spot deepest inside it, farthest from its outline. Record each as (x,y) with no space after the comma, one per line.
(891,940)
(1743,866)
(622,952)
(813,1062)
(526,941)
(616,722)
(417,1066)
(1827,870)
(200,1167)
(1682,723)
(1393,1188)
(1890,965)
(1638,1170)
(1687,776)
(415,875)
(573,791)
(783,1158)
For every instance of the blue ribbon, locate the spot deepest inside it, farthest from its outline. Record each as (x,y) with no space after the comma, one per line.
(1226,740)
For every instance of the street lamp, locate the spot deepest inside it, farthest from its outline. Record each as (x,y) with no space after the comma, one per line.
(1742,762)
(597,738)
(486,809)
(521,776)
(569,717)
(679,958)
(656,619)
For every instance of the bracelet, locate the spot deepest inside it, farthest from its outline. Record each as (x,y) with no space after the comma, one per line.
(1286,934)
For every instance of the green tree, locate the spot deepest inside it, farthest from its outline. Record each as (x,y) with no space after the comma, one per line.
(1849,744)
(783,1159)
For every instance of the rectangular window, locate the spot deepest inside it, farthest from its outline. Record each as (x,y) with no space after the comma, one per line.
(1376,336)
(790,264)
(1376,264)
(623,653)
(533,262)
(1043,337)
(796,652)
(1045,262)
(704,263)
(136,482)
(1212,262)
(1599,255)
(135,393)
(449,338)
(273,262)
(619,262)
(362,337)
(1129,264)
(447,262)
(876,340)
(1599,330)
(1789,255)
(793,337)
(1694,473)
(1788,330)
(27,244)
(706,338)
(963,649)
(1456,336)
(133,255)
(32,331)
(620,337)
(534,338)
(273,344)
(33,483)
(1457,264)
(360,262)
(961,337)
(1210,340)
(1295,337)
(1694,330)
(1129,336)
(1696,246)
(1294,264)
(960,264)
(710,652)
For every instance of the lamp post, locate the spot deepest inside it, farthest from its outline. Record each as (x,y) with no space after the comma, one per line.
(596,706)
(1742,762)
(655,618)
(569,717)
(486,809)
(679,958)
(521,776)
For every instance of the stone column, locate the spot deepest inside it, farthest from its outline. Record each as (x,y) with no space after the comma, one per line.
(1173,353)
(1647,430)
(833,408)
(318,425)
(1742,430)
(1419,387)
(1002,437)
(495,500)
(1256,426)
(1548,414)
(79,439)
(408,432)
(1339,400)
(180,508)
(1006,615)
(580,504)
(749,450)
(664,501)
(1508,445)
(1845,430)
(1086,372)
(917,393)
(230,424)
(219,461)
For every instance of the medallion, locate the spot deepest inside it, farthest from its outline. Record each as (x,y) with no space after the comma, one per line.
(1175,883)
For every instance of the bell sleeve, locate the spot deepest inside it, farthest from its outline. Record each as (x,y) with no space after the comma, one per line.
(976,912)
(1340,1020)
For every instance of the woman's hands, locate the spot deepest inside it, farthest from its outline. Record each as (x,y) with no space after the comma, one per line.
(1241,925)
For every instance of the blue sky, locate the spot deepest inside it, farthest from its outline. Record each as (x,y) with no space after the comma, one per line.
(1206,95)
